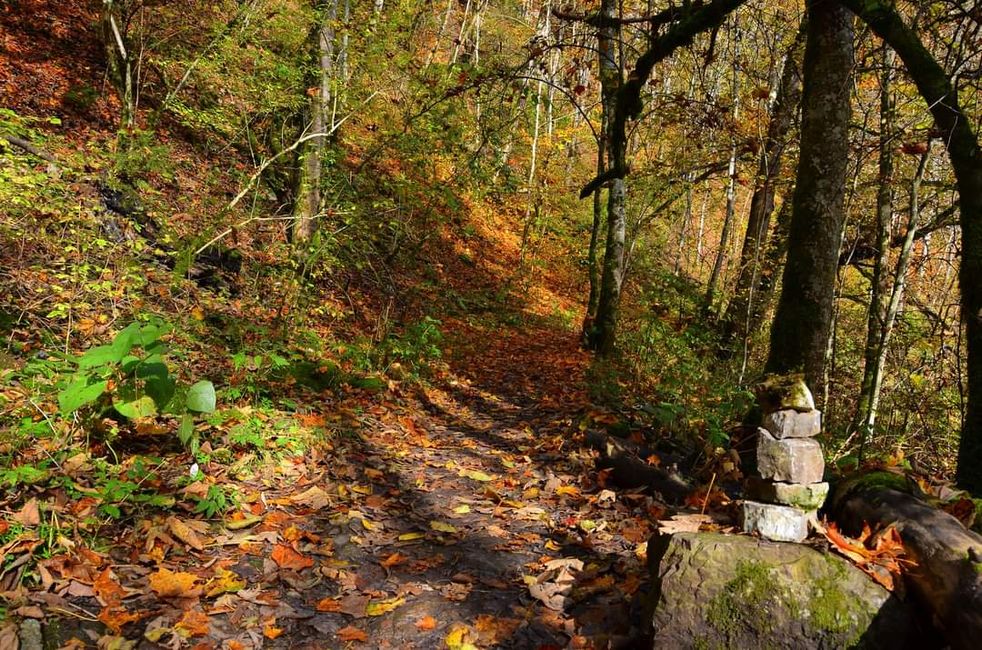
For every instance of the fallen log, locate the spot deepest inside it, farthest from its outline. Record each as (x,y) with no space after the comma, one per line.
(628,470)
(947,578)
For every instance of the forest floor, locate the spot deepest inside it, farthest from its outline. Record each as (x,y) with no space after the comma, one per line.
(462,513)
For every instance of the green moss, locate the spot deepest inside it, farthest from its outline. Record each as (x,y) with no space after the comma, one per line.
(744,601)
(830,607)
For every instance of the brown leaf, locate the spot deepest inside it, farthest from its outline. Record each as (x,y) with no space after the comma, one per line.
(29,516)
(393,560)
(116,617)
(185,533)
(351,633)
(107,589)
(328,605)
(287,558)
(313,498)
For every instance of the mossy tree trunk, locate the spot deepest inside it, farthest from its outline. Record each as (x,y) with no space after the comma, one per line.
(799,335)
(965,154)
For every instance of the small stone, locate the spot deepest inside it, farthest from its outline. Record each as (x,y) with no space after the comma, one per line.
(789,423)
(30,635)
(792,460)
(774,522)
(806,497)
(785,392)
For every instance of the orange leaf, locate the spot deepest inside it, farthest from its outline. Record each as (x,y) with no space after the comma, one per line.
(328,605)
(107,590)
(271,632)
(426,624)
(287,558)
(852,550)
(352,633)
(116,617)
(193,623)
(168,584)
(394,559)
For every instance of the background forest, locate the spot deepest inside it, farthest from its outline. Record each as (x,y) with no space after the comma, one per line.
(231,230)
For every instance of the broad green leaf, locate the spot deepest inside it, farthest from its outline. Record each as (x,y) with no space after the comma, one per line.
(125,340)
(100,356)
(142,407)
(80,393)
(201,397)
(161,390)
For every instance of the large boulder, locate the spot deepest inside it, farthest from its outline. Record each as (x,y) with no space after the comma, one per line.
(733,591)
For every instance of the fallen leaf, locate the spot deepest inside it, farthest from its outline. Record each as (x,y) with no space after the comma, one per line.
(683,524)
(381,607)
(193,623)
(224,582)
(185,533)
(328,605)
(116,617)
(408,537)
(314,498)
(476,475)
(442,527)
(393,560)
(169,584)
(271,632)
(426,624)
(462,510)
(288,558)
(351,633)
(460,637)
(107,589)
(28,516)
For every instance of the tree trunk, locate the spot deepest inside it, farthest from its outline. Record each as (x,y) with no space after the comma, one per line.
(593,264)
(610,284)
(879,298)
(736,319)
(119,59)
(799,335)
(724,237)
(308,195)
(966,159)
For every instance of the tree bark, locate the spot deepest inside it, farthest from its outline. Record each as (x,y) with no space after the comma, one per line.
(119,59)
(736,318)
(308,194)
(799,335)
(605,324)
(966,159)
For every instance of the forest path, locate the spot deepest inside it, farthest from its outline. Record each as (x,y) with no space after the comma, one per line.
(478,487)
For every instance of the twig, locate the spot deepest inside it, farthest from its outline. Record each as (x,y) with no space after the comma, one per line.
(709,493)
(21,143)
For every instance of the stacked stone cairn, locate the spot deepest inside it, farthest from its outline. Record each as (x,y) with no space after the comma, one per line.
(790,488)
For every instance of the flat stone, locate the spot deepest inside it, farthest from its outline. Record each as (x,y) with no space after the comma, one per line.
(792,460)
(774,522)
(733,591)
(789,423)
(807,497)
(785,392)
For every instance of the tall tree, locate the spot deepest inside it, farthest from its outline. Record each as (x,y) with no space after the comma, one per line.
(320,89)
(611,79)
(737,319)
(880,282)
(799,335)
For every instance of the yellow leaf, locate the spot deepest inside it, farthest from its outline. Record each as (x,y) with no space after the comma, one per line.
(552,546)
(224,582)
(408,537)
(569,490)
(476,475)
(462,510)
(378,608)
(442,527)
(170,584)
(244,522)
(460,638)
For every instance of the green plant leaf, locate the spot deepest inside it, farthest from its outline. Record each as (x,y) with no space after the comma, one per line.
(142,407)
(125,340)
(161,389)
(201,397)
(79,393)
(186,429)
(100,355)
